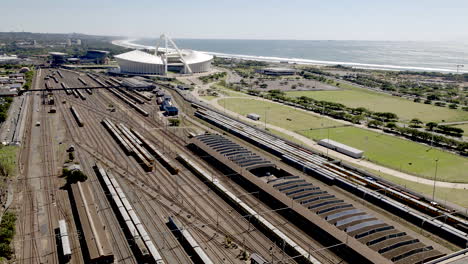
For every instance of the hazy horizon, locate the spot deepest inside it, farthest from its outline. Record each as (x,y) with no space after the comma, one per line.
(214,38)
(270,20)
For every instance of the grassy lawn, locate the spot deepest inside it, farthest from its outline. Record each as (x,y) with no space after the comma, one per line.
(285,136)
(357,97)
(456,196)
(8,160)
(228,92)
(208,97)
(464,127)
(277,114)
(382,149)
(398,153)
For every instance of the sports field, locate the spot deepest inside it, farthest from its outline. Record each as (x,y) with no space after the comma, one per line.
(398,153)
(405,109)
(277,114)
(389,151)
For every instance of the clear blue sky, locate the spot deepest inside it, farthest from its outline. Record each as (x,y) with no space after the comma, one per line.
(244,19)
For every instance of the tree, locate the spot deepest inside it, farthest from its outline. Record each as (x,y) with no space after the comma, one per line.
(416,123)
(174,122)
(386,116)
(431,125)
(391,125)
(74,176)
(357,119)
(375,124)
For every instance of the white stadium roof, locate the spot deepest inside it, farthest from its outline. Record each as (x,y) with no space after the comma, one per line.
(166,59)
(189,56)
(140,56)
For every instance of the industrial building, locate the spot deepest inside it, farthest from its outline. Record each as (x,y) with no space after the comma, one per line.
(276,71)
(137,84)
(9,59)
(57,57)
(92,56)
(95,56)
(342,148)
(163,60)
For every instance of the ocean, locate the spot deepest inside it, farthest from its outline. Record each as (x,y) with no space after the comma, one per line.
(396,55)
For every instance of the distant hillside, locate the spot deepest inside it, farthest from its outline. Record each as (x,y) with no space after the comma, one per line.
(51,37)
(55,42)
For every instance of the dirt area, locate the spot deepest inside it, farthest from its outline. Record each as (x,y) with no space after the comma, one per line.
(292,84)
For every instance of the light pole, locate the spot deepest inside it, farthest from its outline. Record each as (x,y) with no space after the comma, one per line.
(435,177)
(328,138)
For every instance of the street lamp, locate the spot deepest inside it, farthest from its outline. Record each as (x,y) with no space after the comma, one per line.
(435,177)
(266,109)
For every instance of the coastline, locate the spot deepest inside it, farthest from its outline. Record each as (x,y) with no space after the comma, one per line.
(129,43)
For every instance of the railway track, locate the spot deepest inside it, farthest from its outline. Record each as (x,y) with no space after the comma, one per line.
(26,231)
(121,249)
(93,134)
(122,252)
(191,183)
(288,228)
(47,180)
(196,190)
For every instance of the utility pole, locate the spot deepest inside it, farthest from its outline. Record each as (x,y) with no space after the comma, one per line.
(328,138)
(435,177)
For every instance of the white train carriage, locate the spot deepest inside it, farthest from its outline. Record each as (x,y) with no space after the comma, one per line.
(64,239)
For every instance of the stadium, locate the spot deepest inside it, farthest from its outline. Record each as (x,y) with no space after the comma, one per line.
(164,59)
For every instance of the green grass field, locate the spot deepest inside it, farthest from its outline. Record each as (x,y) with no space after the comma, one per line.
(456,196)
(209,97)
(405,109)
(277,114)
(8,160)
(398,153)
(383,149)
(227,92)
(464,127)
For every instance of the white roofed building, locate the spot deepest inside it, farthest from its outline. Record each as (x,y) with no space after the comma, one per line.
(163,60)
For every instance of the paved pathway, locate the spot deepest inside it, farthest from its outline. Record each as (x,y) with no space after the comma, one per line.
(332,153)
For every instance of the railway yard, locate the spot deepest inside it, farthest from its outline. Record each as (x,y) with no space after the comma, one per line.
(213,190)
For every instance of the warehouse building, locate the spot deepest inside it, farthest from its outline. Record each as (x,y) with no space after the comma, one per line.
(57,57)
(95,56)
(342,148)
(136,84)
